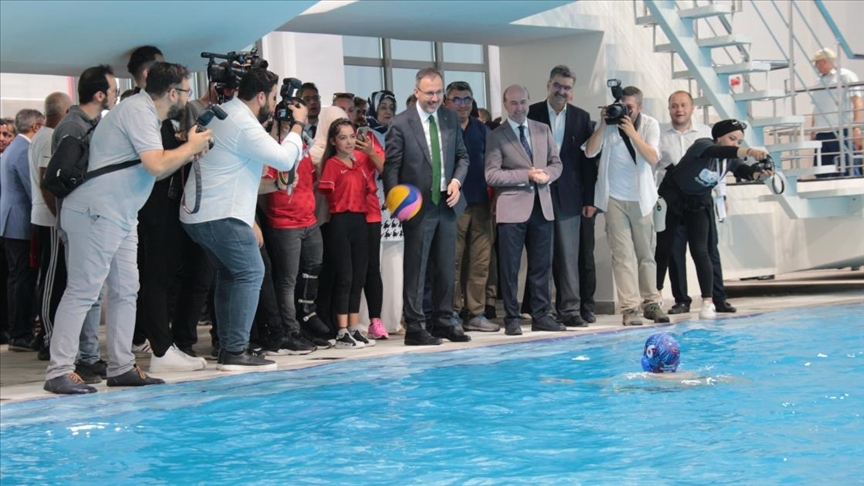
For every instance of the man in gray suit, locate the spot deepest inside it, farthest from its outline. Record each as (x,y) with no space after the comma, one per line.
(521,161)
(424,148)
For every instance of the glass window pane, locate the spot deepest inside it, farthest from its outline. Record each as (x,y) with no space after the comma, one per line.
(477,80)
(465,53)
(363,80)
(411,50)
(403,86)
(361,46)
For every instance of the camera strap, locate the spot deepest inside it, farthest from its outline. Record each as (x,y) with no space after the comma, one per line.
(629,144)
(196,170)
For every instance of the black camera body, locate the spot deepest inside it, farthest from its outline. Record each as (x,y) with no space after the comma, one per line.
(617,110)
(288,92)
(227,74)
(206,116)
(763,165)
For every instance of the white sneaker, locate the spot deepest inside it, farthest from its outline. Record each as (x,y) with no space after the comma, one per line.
(358,336)
(708,311)
(175,360)
(346,341)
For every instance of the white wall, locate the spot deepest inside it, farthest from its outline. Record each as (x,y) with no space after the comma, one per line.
(314,58)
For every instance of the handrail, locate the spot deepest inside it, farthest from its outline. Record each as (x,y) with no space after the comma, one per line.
(836,30)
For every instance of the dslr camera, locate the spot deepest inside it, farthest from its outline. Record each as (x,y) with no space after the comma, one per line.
(288,92)
(226,75)
(763,165)
(617,110)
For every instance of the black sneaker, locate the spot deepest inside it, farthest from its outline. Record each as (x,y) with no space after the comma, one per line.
(99,368)
(245,361)
(134,377)
(319,342)
(360,338)
(70,384)
(346,341)
(86,372)
(291,345)
(21,345)
(44,353)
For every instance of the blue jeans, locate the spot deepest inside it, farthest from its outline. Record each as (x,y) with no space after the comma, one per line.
(231,246)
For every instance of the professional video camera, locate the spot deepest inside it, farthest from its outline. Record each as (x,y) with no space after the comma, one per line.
(227,74)
(288,93)
(617,110)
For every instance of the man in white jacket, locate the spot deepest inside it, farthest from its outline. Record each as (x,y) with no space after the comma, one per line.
(626,193)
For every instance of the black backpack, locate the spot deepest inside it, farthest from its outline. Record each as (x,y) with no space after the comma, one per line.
(67,168)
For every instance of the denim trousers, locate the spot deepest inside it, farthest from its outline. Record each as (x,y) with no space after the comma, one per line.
(233,250)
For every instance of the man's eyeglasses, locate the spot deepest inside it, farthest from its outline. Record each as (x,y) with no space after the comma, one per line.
(350,96)
(430,94)
(309,99)
(462,101)
(187,91)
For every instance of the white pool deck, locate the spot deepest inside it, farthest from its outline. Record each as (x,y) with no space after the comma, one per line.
(22,374)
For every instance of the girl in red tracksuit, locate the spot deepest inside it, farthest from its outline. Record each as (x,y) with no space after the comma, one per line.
(347,180)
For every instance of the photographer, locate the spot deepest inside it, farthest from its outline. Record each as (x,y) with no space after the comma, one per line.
(230,178)
(687,192)
(100,223)
(625,191)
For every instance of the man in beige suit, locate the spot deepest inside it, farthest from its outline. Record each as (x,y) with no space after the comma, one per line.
(521,161)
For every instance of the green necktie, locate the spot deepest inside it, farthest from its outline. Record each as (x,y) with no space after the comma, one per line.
(436,161)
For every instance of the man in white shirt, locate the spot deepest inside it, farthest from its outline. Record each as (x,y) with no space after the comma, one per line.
(230,178)
(829,104)
(627,193)
(675,139)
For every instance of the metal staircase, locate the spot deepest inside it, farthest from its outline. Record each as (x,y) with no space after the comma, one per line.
(699,51)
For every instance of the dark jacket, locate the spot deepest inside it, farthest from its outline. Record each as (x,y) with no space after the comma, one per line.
(575,188)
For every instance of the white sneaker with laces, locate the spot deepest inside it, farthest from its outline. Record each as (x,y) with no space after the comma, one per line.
(346,341)
(708,311)
(175,360)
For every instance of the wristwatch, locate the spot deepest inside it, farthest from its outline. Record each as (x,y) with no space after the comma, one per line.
(302,125)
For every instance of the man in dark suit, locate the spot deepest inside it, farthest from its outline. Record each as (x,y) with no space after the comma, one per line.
(572,193)
(424,148)
(521,163)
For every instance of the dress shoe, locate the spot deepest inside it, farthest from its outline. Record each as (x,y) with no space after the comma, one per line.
(723,306)
(491,313)
(70,384)
(513,327)
(680,308)
(481,324)
(421,338)
(546,323)
(574,321)
(453,333)
(589,317)
(134,377)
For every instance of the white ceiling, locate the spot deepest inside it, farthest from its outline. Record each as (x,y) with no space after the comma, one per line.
(66,37)
(469,22)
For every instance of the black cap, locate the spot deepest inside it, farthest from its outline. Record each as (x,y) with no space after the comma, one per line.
(727,126)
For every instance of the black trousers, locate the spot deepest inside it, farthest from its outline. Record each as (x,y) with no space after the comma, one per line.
(587,269)
(267,328)
(348,240)
(536,235)
(430,248)
(4,308)
(326,283)
(678,266)
(20,288)
(696,214)
(159,239)
(374,286)
(193,287)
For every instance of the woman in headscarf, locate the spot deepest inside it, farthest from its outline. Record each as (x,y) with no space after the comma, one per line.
(382,107)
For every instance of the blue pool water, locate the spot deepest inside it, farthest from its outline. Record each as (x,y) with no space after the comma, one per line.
(779,398)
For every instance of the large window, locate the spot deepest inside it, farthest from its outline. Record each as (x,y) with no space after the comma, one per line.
(372,64)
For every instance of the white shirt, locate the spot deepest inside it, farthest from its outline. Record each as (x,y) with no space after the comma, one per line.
(557,122)
(38,155)
(826,100)
(515,126)
(231,171)
(424,120)
(624,179)
(674,144)
(646,190)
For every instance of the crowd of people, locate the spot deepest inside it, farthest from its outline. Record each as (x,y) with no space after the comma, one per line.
(277,224)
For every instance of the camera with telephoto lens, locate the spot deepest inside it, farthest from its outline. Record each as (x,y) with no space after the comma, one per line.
(617,110)
(288,92)
(226,75)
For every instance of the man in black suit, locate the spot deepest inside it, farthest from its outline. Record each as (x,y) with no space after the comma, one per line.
(573,192)
(424,148)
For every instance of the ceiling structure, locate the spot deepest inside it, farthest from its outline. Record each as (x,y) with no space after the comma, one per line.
(66,37)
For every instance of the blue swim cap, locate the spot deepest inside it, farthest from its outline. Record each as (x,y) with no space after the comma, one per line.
(661,354)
